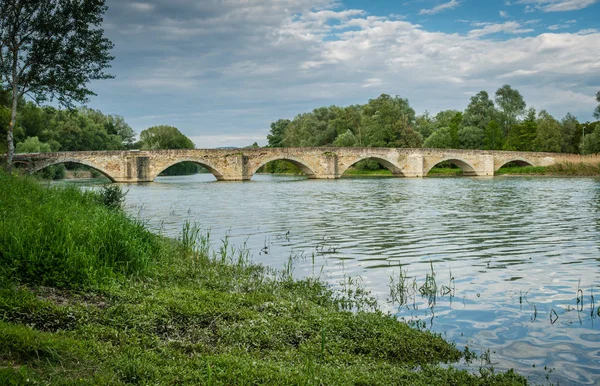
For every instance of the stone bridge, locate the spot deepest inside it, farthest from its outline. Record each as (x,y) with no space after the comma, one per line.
(321,162)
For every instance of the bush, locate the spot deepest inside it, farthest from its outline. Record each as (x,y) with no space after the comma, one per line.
(113,196)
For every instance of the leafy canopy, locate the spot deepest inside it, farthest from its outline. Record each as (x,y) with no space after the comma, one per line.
(164,137)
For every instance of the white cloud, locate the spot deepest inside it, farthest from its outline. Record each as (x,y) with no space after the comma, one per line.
(509,27)
(142,7)
(556,5)
(222,72)
(440,8)
(504,14)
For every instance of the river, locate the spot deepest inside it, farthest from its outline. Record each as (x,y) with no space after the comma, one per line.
(524,253)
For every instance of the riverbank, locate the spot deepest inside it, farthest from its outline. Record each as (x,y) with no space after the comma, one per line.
(559,170)
(90,296)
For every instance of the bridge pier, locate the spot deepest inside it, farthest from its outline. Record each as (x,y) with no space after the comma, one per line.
(414,166)
(485,166)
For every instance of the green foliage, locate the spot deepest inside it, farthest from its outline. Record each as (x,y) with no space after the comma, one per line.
(471,137)
(346,140)
(73,130)
(113,196)
(511,106)
(493,138)
(425,124)
(480,111)
(570,134)
(591,141)
(63,237)
(390,122)
(276,136)
(548,136)
(164,137)
(183,168)
(522,135)
(51,49)
(455,123)
(33,145)
(197,317)
(440,139)
(597,109)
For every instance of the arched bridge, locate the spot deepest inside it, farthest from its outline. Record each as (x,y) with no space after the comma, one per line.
(241,164)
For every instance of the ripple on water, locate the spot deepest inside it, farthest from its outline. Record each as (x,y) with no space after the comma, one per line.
(518,249)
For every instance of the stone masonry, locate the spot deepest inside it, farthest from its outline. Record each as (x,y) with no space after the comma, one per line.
(321,162)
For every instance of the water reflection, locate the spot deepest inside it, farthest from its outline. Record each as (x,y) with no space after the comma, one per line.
(512,252)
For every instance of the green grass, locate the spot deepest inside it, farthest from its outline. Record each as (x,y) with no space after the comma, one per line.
(353,172)
(559,169)
(444,172)
(523,170)
(76,310)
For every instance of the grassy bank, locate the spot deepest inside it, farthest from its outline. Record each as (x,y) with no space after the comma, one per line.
(559,169)
(90,296)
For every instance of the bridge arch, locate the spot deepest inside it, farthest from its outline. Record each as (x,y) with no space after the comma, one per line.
(520,161)
(164,166)
(465,166)
(301,164)
(41,166)
(391,166)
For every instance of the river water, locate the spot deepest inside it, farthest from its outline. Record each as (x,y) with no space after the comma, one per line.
(524,253)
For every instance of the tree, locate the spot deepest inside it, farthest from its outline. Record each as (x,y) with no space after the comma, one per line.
(493,137)
(480,111)
(548,133)
(346,140)
(570,134)
(597,110)
(385,119)
(511,104)
(164,137)
(51,49)
(33,145)
(591,142)
(522,135)
(425,124)
(278,128)
(440,139)
(454,127)
(470,137)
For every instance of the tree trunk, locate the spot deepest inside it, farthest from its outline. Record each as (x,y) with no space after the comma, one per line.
(13,114)
(10,136)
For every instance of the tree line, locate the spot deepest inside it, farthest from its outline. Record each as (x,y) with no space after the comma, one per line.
(501,123)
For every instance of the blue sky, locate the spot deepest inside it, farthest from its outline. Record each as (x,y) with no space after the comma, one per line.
(222,71)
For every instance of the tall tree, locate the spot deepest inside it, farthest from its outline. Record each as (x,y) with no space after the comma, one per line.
(164,137)
(51,49)
(597,110)
(493,138)
(455,124)
(511,105)
(548,133)
(480,111)
(570,133)
(522,135)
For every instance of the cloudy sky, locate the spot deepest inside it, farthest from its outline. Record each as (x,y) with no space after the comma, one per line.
(223,70)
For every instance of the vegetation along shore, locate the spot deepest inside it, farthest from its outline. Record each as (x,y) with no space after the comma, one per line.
(89,295)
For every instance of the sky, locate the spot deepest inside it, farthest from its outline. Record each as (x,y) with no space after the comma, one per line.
(222,71)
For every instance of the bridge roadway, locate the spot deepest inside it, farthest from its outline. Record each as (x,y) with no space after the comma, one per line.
(320,162)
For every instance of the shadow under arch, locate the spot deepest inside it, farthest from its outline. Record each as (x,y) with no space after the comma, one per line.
(206,166)
(466,168)
(306,170)
(73,161)
(395,169)
(517,161)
